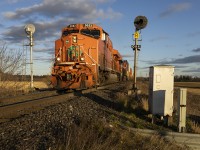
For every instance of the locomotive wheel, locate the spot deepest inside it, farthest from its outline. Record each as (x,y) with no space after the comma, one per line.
(59,86)
(59,82)
(102,80)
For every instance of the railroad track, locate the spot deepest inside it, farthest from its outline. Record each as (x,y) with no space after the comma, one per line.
(11,108)
(6,101)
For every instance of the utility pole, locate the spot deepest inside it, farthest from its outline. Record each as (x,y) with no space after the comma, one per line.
(30,29)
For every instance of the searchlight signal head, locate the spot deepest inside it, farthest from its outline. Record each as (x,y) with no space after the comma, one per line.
(140,22)
(29,29)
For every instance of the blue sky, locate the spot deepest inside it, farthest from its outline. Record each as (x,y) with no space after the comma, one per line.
(171,36)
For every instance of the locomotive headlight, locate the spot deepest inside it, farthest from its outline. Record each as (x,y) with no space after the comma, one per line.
(74,38)
(58,58)
(82,58)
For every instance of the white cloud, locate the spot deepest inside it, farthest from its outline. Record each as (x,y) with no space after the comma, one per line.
(70,8)
(175,8)
(104,1)
(50,16)
(13,1)
(9,14)
(103,14)
(111,14)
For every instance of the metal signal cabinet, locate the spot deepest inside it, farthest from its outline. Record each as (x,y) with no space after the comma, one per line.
(161,89)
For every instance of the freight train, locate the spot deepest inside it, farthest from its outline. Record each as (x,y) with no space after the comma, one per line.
(85,58)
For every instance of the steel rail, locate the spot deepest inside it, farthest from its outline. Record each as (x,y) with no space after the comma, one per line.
(12,110)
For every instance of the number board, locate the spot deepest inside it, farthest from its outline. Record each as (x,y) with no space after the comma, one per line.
(72,26)
(88,25)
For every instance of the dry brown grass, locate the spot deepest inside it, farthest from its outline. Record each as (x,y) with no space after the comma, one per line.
(195,127)
(100,137)
(123,99)
(187,84)
(23,84)
(144,104)
(194,91)
(192,87)
(143,86)
(12,88)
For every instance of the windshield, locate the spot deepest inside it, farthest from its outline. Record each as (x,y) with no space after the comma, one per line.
(67,32)
(93,33)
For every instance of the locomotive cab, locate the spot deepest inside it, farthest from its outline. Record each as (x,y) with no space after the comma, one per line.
(75,62)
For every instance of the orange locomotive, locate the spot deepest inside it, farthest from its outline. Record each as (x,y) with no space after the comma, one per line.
(84,58)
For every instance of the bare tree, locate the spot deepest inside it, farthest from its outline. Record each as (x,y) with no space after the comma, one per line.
(10,66)
(10,61)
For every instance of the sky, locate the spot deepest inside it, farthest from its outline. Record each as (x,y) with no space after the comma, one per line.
(171,36)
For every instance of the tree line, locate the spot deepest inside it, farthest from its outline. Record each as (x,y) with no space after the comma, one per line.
(186,78)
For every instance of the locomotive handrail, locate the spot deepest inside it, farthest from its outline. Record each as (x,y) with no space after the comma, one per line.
(90,57)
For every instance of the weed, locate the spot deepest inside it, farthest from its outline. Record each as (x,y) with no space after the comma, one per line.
(194,127)
(96,136)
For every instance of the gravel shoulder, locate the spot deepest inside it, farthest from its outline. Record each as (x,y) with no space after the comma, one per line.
(26,131)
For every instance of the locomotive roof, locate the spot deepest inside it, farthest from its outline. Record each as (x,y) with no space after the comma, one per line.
(86,25)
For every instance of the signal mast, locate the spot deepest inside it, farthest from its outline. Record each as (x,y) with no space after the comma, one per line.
(30,30)
(140,22)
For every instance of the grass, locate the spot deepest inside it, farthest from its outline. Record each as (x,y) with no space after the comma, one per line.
(195,127)
(192,87)
(188,84)
(139,108)
(13,88)
(100,136)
